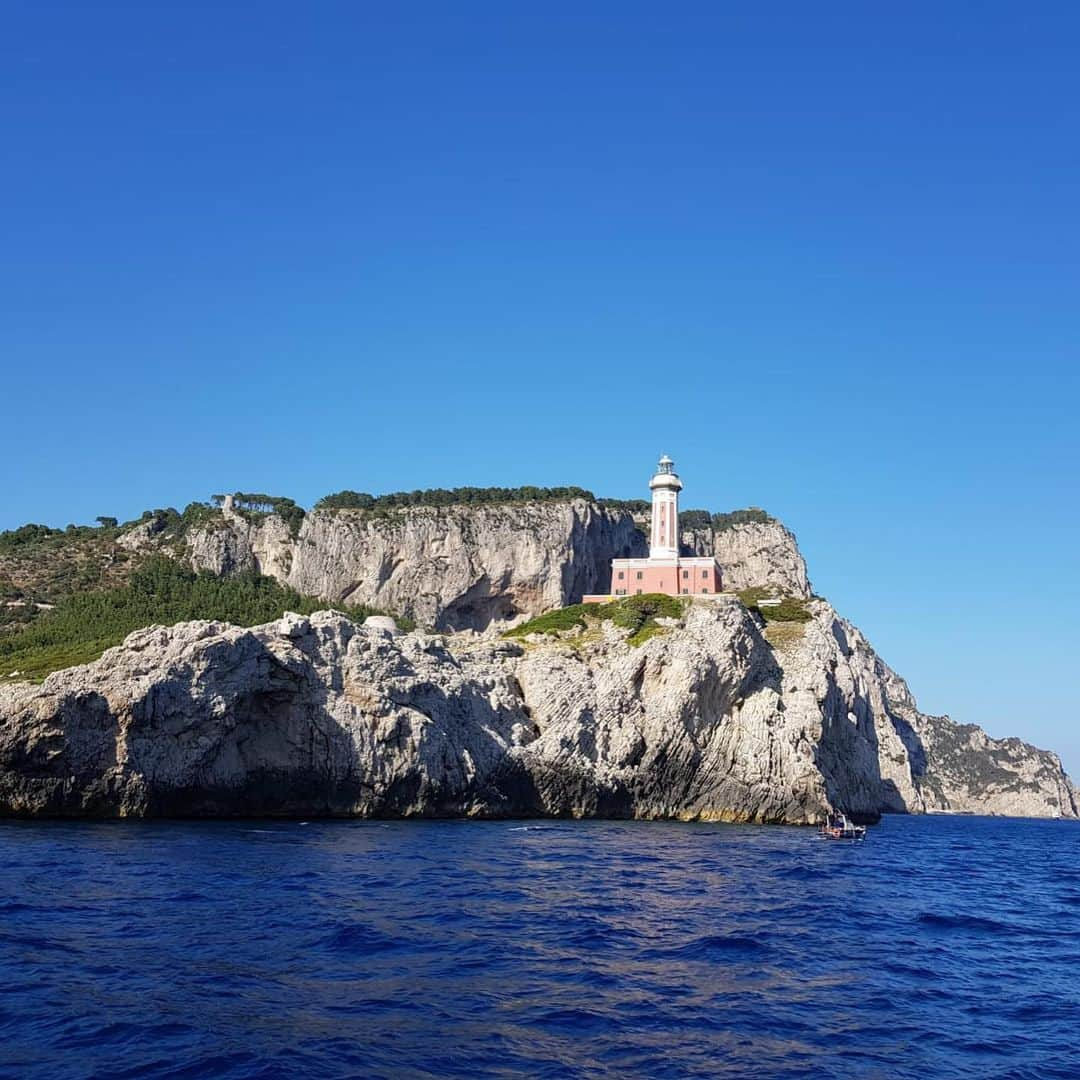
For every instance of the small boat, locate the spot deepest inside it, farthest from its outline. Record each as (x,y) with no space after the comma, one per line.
(841,827)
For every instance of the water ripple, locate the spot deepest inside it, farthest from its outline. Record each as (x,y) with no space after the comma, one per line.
(939,947)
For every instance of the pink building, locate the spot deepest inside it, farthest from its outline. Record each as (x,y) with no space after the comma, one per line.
(664,571)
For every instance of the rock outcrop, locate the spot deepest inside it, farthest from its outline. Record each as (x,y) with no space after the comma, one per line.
(469,567)
(236,543)
(974,774)
(448,568)
(753,554)
(716,718)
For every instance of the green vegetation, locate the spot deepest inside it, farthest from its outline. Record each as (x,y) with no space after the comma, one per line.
(558,621)
(981,769)
(753,515)
(779,634)
(347,500)
(460,496)
(474,496)
(166,520)
(196,513)
(629,506)
(170,524)
(784,622)
(695,519)
(161,591)
(749,597)
(40,565)
(14,612)
(28,537)
(638,614)
(43,565)
(790,608)
(252,505)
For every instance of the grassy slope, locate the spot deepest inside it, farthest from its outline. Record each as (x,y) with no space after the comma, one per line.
(784,621)
(47,569)
(790,608)
(160,591)
(638,614)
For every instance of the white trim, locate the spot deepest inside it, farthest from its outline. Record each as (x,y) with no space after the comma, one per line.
(700,561)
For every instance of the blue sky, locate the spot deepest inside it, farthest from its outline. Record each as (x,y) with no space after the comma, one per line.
(825,256)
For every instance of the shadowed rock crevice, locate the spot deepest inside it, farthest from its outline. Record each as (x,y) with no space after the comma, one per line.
(467,567)
(452,567)
(478,607)
(314,716)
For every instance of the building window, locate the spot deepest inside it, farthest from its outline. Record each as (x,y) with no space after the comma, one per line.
(620,575)
(639,592)
(704,573)
(685,591)
(685,574)
(639,575)
(704,590)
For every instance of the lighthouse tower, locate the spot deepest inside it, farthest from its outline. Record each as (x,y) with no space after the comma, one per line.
(665,570)
(665,487)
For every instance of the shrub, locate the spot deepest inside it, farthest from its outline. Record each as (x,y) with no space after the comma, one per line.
(249,504)
(557,621)
(638,614)
(695,519)
(195,513)
(459,496)
(630,506)
(754,515)
(160,591)
(790,608)
(347,500)
(25,535)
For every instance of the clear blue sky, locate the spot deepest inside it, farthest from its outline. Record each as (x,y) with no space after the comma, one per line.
(826,257)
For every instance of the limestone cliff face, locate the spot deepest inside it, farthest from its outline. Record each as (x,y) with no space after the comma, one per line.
(468,567)
(234,544)
(714,718)
(753,554)
(975,774)
(458,567)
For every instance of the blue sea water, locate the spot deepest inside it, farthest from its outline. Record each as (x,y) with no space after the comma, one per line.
(938,947)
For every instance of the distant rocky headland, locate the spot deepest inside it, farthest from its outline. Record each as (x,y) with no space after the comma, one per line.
(504,697)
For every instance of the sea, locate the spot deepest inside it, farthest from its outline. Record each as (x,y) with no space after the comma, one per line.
(936,947)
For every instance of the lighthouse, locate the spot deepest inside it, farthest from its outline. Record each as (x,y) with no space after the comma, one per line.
(665,487)
(665,570)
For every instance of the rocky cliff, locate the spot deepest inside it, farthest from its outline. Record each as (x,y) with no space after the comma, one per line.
(753,554)
(450,568)
(716,717)
(467,567)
